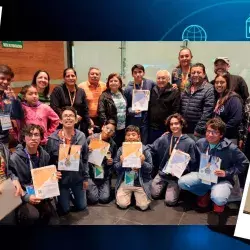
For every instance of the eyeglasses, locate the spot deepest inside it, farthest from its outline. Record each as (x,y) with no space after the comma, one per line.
(212,132)
(68,116)
(110,130)
(35,135)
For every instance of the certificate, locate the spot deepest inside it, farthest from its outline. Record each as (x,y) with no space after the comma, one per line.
(131,152)
(8,200)
(140,100)
(208,164)
(99,151)
(5,122)
(69,157)
(177,163)
(45,182)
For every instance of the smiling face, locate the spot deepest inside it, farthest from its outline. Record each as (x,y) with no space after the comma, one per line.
(108,131)
(220,84)
(42,80)
(68,119)
(185,57)
(5,81)
(213,136)
(197,75)
(220,67)
(70,78)
(114,84)
(175,126)
(162,79)
(94,76)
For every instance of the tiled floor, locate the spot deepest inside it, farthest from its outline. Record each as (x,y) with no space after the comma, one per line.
(159,214)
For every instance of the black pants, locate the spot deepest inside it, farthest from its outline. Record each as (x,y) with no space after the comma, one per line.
(28,214)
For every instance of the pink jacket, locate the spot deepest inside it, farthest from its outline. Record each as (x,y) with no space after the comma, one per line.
(42,115)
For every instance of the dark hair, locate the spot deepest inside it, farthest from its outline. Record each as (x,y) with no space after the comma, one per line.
(69,108)
(65,71)
(186,48)
(110,121)
(46,90)
(25,89)
(132,128)
(217,124)
(30,127)
(137,66)
(179,118)
(6,70)
(201,65)
(114,75)
(93,68)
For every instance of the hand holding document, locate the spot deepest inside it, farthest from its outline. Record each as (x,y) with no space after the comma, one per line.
(8,200)
(131,152)
(177,163)
(45,181)
(140,100)
(99,149)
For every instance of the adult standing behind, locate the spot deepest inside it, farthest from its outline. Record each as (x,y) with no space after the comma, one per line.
(181,74)
(197,102)
(113,105)
(69,94)
(41,80)
(93,88)
(228,107)
(164,101)
(237,83)
(138,118)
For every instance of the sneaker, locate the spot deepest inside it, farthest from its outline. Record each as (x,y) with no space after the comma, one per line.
(203,201)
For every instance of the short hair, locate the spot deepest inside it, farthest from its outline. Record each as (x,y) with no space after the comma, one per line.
(114,75)
(6,70)
(217,124)
(110,121)
(46,90)
(65,71)
(31,127)
(69,108)
(94,68)
(181,120)
(137,66)
(132,128)
(201,65)
(166,72)
(25,89)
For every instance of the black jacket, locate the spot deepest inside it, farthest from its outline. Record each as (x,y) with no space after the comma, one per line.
(162,105)
(60,98)
(239,86)
(106,107)
(197,108)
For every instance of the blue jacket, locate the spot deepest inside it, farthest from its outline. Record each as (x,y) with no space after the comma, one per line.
(144,172)
(70,177)
(233,161)
(107,168)
(131,119)
(160,152)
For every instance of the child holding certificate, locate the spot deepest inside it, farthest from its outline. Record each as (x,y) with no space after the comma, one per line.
(220,161)
(28,156)
(135,180)
(163,150)
(100,175)
(68,150)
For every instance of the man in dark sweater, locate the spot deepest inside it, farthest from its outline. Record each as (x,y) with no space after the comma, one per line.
(238,84)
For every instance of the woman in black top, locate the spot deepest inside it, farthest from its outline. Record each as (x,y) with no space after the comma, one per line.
(68,94)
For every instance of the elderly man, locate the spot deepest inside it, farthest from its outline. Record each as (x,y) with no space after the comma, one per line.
(164,101)
(238,84)
(93,88)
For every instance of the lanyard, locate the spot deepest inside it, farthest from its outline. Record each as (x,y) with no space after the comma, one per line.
(140,87)
(171,144)
(28,155)
(72,100)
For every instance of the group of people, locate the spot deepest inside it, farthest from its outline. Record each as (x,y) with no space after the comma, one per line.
(185,112)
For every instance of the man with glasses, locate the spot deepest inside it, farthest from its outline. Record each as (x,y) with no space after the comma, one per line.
(233,162)
(99,185)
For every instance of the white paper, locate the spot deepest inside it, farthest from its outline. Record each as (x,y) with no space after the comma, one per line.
(5,122)
(140,100)
(8,200)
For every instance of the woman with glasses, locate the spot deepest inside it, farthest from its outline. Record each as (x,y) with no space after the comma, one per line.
(229,106)
(74,177)
(99,182)
(113,105)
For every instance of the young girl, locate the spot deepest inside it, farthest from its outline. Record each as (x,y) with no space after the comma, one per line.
(38,113)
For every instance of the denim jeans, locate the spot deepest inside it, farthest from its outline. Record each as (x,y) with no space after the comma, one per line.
(79,201)
(220,192)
